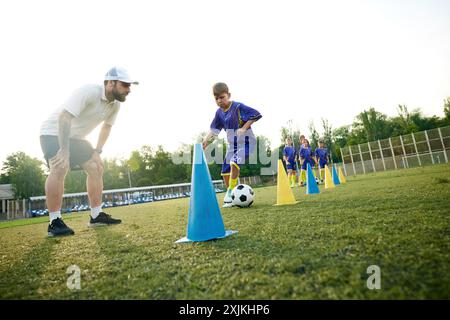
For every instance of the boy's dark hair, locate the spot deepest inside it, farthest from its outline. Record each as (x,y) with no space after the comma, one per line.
(220,88)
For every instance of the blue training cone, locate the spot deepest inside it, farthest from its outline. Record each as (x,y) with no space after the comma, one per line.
(204,219)
(335,176)
(311,184)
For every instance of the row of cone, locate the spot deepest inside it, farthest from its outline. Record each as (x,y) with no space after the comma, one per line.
(284,191)
(204,217)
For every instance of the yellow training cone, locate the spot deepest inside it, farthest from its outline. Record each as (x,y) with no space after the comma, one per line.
(284,191)
(341,176)
(328,179)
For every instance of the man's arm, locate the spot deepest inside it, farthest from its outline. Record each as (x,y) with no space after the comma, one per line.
(64,124)
(62,157)
(103,136)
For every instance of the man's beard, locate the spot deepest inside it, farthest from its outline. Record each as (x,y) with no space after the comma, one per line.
(119,97)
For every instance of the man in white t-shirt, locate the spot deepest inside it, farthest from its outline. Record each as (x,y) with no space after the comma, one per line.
(64,146)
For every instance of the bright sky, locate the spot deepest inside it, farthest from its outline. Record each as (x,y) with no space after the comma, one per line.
(300,60)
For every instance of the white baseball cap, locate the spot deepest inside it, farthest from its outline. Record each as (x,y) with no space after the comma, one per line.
(117,73)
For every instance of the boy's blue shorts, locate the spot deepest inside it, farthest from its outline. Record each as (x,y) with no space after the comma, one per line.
(322,164)
(238,157)
(305,164)
(291,166)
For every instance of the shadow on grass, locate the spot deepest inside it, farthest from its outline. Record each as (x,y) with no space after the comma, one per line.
(23,279)
(133,271)
(194,270)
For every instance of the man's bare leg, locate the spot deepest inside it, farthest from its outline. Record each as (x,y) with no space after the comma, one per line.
(54,189)
(94,185)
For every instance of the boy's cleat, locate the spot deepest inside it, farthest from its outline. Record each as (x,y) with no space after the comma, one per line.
(103,219)
(321,181)
(58,228)
(227,201)
(227,204)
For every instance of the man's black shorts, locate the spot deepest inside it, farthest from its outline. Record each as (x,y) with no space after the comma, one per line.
(80,150)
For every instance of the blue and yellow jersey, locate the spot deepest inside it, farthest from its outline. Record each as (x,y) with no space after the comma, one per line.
(322,154)
(233,118)
(306,155)
(290,152)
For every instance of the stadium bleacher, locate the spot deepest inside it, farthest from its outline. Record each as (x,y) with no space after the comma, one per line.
(115,198)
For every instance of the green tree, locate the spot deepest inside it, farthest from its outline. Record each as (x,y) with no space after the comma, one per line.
(447,109)
(116,173)
(25,174)
(403,123)
(371,125)
(313,135)
(262,147)
(291,132)
(75,182)
(4,179)
(328,138)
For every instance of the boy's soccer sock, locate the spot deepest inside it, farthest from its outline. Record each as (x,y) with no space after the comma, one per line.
(54,215)
(233,183)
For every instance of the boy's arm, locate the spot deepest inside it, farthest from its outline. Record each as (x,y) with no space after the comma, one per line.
(214,130)
(245,127)
(301,157)
(208,137)
(249,116)
(285,158)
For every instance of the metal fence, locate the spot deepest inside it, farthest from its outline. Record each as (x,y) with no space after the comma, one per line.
(411,150)
(75,202)
(36,206)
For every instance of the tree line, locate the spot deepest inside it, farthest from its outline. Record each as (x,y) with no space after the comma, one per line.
(368,125)
(154,166)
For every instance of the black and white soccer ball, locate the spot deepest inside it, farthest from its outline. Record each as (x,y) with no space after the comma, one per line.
(242,196)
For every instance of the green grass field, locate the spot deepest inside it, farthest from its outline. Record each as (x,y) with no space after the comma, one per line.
(319,248)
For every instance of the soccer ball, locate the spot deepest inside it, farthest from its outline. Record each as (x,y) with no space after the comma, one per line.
(242,196)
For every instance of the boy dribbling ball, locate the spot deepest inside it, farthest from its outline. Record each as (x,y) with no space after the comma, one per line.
(236,119)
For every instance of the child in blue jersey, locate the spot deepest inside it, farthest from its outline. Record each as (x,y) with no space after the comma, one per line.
(236,119)
(306,157)
(289,157)
(321,159)
(301,140)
